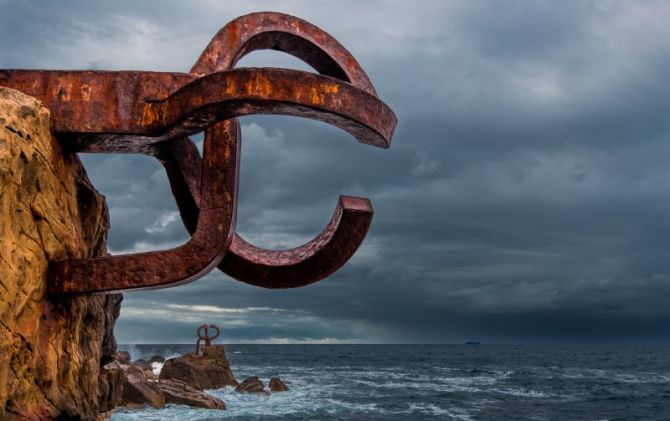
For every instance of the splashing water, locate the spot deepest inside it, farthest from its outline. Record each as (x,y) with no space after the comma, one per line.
(419,382)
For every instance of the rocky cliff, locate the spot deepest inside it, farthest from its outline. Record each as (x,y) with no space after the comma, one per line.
(51,350)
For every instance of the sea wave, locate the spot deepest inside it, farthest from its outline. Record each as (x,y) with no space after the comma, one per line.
(422,383)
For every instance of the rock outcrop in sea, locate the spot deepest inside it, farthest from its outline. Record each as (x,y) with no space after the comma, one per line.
(133,384)
(277,385)
(210,370)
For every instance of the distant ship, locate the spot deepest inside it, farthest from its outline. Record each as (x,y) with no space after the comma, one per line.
(472,343)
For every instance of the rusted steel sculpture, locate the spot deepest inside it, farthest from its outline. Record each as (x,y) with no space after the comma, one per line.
(203,336)
(153,113)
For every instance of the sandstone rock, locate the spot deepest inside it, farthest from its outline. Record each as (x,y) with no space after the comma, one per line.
(179,393)
(51,350)
(251,385)
(142,363)
(276,385)
(208,371)
(123,357)
(115,365)
(110,387)
(138,391)
(108,340)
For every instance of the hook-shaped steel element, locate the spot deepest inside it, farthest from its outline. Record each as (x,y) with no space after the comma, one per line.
(291,268)
(203,336)
(187,263)
(152,113)
(351,220)
(286,33)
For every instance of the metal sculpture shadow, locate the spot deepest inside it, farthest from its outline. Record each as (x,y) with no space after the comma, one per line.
(153,113)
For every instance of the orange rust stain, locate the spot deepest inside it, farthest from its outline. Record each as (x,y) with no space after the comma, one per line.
(231,87)
(149,115)
(323,90)
(316,96)
(331,88)
(64,91)
(263,87)
(164,112)
(86,91)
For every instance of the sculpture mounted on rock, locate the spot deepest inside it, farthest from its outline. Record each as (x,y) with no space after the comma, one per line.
(153,113)
(204,336)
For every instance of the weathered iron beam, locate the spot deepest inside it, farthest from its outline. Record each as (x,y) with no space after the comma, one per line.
(205,249)
(152,113)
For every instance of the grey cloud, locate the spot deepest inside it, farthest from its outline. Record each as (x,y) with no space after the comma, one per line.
(524,198)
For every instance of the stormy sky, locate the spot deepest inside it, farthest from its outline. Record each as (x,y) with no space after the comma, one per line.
(524,199)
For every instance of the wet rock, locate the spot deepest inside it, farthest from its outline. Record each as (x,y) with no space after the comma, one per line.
(157,359)
(276,385)
(146,368)
(110,387)
(180,393)
(143,364)
(113,306)
(123,357)
(208,371)
(138,391)
(251,385)
(51,350)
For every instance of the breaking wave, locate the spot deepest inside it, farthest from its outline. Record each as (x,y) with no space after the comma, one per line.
(333,382)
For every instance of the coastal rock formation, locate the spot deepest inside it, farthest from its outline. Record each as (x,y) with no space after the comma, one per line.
(123,357)
(110,387)
(145,367)
(51,350)
(178,392)
(130,385)
(140,391)
(276,385)
(143,364)
(251,385)
(208,371)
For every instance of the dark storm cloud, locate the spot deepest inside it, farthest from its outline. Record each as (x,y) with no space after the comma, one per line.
(525,197)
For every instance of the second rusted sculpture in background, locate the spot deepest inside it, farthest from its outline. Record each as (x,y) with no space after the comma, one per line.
(153,113)
(203,336)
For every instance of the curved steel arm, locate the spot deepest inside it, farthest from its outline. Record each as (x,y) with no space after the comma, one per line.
(246,91)
(281,32)
(187,263)
(90,122)
(351,220)
(275,269)
(306,264)
(152,112)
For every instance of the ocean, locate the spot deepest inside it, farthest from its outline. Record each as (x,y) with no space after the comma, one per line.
(428,382)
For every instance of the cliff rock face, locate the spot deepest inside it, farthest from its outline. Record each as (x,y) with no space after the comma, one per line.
(50,350)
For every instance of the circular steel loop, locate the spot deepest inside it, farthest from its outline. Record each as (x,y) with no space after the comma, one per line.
(152,113)
(159,269)
(205,335)
(351,220)
(286,33)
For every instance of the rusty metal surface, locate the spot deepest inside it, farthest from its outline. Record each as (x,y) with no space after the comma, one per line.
(208,244)
(152,113)
(204,336)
